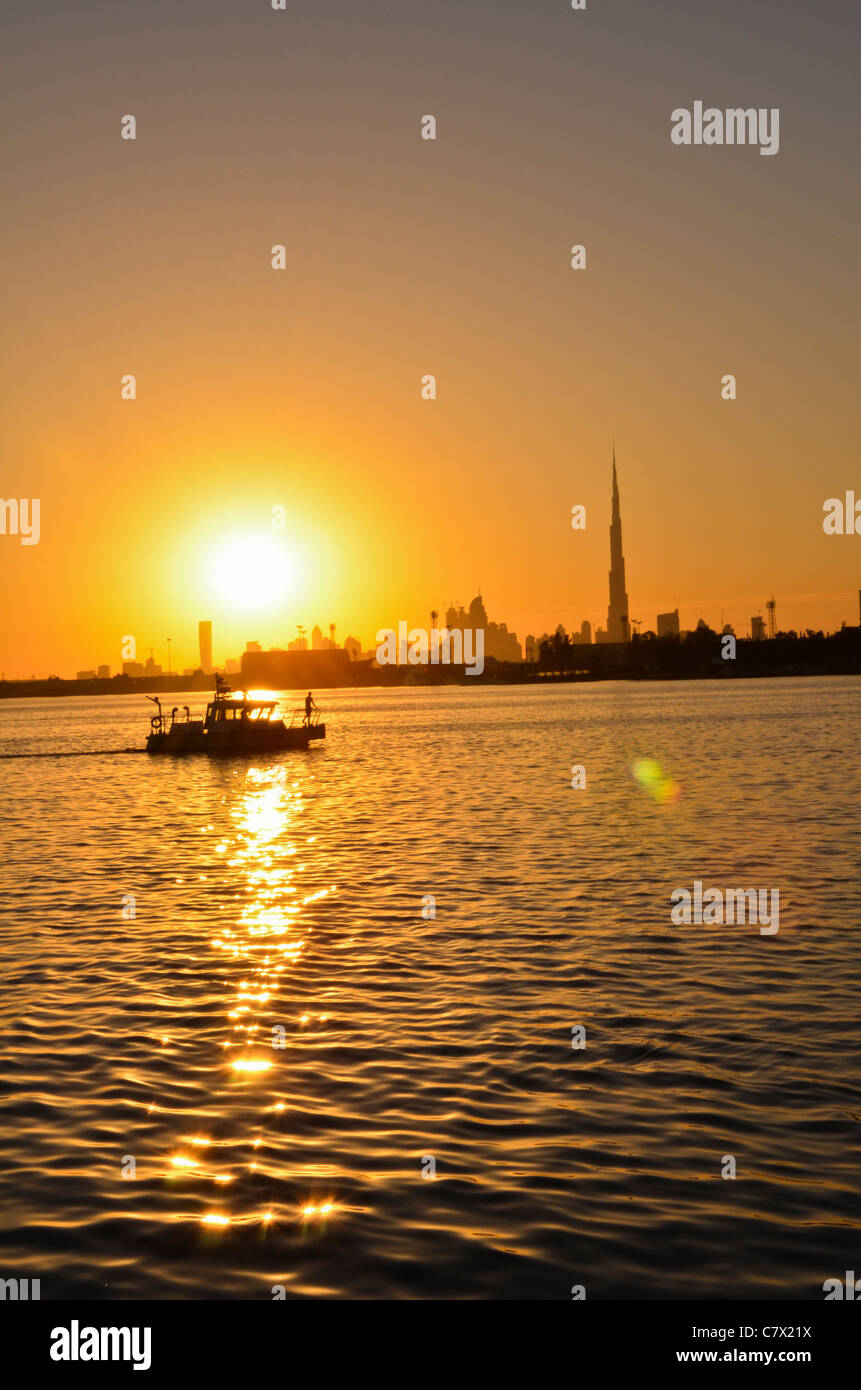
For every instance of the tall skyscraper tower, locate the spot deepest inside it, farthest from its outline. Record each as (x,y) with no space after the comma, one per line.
(618,627)
(204,637)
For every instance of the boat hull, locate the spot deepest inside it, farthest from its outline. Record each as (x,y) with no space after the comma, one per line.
(247,740)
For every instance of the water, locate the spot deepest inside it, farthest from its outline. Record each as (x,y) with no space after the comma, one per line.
(288,892)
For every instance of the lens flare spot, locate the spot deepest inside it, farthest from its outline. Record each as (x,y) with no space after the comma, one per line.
(649,774)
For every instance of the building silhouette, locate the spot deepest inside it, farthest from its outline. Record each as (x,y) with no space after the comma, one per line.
(204,638)
(668,624)
(618,627)
(581,638)
(499,643)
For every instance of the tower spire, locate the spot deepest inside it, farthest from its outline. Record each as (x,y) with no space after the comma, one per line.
(618,627)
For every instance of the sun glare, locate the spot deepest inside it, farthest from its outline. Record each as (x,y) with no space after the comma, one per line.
(252,571)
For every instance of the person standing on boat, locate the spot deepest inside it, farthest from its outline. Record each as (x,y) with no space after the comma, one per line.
(310,704)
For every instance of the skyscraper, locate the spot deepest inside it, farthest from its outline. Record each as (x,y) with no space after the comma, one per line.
(204,637)
(618,629)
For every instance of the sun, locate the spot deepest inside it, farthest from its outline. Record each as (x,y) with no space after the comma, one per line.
(252,571)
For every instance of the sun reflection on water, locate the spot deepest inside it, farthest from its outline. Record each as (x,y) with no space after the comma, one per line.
(261,852)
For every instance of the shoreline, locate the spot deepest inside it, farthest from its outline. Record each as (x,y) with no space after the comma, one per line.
(56,687)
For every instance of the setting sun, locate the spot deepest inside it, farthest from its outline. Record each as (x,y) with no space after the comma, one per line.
(252,571)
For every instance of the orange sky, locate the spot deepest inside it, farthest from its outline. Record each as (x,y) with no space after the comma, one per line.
(301,388)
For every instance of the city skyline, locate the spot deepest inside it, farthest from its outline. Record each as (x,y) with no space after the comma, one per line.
(259,548)
(666,624)
(503,644)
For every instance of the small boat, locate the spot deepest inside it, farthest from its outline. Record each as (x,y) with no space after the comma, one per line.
(234,726)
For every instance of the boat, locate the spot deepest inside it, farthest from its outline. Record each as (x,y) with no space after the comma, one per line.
(233,726)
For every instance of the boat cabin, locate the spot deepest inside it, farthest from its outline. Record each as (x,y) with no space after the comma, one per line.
(222,713)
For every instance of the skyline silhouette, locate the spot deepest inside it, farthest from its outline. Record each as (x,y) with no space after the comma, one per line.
(504,643)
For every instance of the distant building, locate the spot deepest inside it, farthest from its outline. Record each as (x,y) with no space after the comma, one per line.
(353,648)
(232,667)
(757,628)
(295,668)
(531,648)
(204,638)
(668,624)
(317,638)
(104,673)
(253,647)
(618,627)
(586,631)
(133,668)
(151,667)
(499,643)
(85,676)
(601,635)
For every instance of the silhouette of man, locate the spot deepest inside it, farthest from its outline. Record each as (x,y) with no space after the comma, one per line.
(309,705)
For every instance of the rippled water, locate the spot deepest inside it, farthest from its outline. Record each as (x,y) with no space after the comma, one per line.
(287,893)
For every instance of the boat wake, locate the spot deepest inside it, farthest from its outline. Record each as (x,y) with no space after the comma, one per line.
(85,753)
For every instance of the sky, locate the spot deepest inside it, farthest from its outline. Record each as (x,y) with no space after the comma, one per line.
(301,388)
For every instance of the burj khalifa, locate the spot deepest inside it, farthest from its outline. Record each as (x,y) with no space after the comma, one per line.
(618,626)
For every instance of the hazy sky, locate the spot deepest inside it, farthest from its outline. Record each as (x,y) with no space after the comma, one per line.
(258,388)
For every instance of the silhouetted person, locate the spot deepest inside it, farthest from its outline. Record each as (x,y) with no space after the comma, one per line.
(309,705)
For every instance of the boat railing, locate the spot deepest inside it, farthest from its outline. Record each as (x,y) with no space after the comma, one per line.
(298,720)
(162,723)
